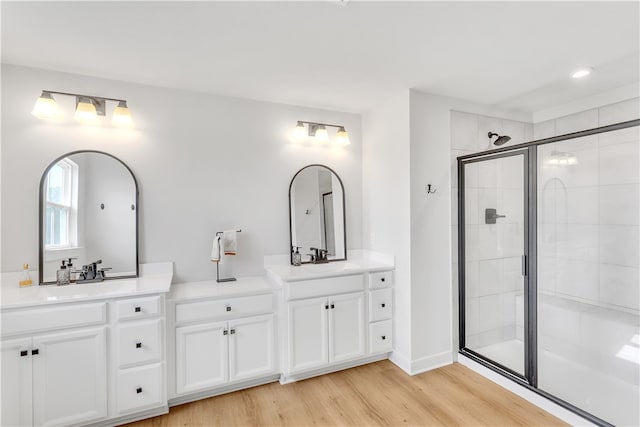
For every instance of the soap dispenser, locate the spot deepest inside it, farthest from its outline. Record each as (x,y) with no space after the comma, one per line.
(63,276)
(296,260)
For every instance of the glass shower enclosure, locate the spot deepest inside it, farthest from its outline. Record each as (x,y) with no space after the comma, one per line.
(549,255)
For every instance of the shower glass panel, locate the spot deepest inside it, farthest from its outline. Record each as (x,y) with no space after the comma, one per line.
(588,282)
(494,229)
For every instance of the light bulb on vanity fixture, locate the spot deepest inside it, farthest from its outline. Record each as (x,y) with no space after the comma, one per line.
(318,133)
(88,108)
(342,137)
(122,114)
(300,132)
(321,134)
(85,110)
(45,107)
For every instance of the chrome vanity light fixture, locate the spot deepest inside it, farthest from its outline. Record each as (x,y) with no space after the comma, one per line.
(318,132)
(88,108)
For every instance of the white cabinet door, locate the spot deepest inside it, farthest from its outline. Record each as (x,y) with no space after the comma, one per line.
(250,347)
(70,377)
(346,327)
(201,356)
(307,334)
(16,382)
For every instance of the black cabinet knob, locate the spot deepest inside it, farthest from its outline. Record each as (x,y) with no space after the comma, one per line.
(383,305)
(35,351)
(384,337)
(228,308)
(232,331)
(139,390)
(225,332)
(138,345)
(137,309)
(326,307)
(24,353)
(333,306)
(382,280)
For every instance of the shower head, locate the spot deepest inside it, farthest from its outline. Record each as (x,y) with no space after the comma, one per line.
(501,139)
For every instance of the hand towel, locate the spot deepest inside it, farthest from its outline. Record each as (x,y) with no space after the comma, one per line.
(229,242)
(215,250)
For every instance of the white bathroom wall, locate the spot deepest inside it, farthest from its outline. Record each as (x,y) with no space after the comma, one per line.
(204,163)
(406,142)
(387,222)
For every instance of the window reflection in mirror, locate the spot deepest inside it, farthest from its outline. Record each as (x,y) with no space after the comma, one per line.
(88,211)
(316,208)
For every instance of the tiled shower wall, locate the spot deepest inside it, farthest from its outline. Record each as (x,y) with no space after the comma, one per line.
(493,250)
(588,212)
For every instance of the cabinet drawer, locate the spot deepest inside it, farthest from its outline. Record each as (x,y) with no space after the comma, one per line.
(223,308)
(138,308)
(322,287)
(139,342)
(383,279)
(49,318)
(140,388)
(380,337)
(380,305)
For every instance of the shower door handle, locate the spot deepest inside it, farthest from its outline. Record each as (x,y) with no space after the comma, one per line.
(524,265)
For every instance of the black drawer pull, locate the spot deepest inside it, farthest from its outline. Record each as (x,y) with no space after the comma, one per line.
(382,280)
(35,351)
(333,306)
(137,309)
(228,308)
(24,353)
(138,345)
(139,390)
(225,332)
(384,337)
(383,305)
(326,307)
(233,331)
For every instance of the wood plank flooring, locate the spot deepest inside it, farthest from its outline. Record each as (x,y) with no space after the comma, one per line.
(377,394)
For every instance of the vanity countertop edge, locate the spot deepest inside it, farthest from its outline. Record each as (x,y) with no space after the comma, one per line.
(155,278)
(358,262)
(210,289)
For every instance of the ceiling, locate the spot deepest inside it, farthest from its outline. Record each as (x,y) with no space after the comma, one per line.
(511,54)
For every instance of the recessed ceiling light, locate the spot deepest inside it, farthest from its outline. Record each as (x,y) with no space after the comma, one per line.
(582,72)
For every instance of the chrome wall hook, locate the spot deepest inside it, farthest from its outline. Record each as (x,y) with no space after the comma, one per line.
(429,190)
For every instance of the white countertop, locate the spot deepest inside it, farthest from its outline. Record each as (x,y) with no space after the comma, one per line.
(254,285)
(154,278)
(357,262)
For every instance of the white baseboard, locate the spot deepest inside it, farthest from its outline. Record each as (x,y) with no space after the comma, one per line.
(424,364)
(528,395)
(290,378)
(216,391)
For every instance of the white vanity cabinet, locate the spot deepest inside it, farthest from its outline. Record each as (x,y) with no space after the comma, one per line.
(138,354)
(325,330)
(223,337)
(84,354)
(333,316)
(56,372)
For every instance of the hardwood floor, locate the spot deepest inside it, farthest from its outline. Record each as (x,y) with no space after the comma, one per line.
(378,394)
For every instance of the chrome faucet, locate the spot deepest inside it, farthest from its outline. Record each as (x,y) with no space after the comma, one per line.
(91,274)
(319,256)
